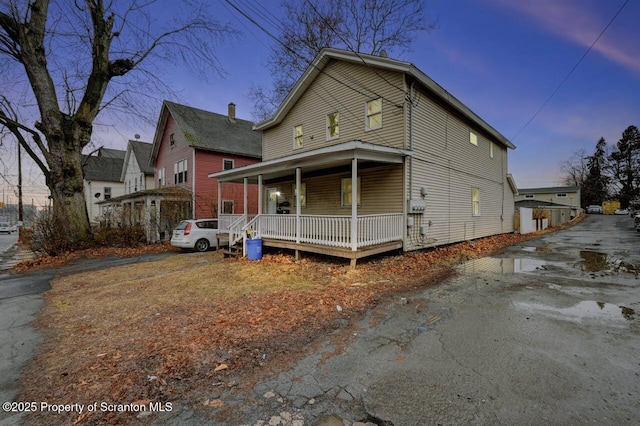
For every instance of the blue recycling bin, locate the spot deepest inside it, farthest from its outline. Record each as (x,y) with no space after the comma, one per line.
(254,249)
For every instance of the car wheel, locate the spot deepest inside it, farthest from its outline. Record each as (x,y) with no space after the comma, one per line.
(202,245)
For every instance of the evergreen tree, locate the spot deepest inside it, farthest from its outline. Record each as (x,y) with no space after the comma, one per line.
(624,165)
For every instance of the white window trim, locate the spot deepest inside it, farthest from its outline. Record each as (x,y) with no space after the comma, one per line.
(366,115)
(328,126)
(233,206)
(295,137)
(303,194)
(233,163)
(342,191)
(473,138)
(475,200)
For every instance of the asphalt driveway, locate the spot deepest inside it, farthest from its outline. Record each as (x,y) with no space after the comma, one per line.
(546,332)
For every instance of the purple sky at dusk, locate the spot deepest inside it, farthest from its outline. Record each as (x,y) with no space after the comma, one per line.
(502,58)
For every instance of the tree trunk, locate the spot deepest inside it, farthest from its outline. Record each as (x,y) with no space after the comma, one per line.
(66,182)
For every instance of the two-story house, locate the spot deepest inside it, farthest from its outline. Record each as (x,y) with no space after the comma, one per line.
(101,180)
(137,174)
(368,154)
(191,143)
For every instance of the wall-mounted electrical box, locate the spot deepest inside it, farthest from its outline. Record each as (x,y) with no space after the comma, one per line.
(416,206)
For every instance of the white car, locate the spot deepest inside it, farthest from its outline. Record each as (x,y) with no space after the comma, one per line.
(6,227)
(196,234)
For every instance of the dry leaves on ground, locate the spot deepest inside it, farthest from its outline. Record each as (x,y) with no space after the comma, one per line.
(167,330)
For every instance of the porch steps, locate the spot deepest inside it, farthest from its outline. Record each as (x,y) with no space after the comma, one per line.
(228,250)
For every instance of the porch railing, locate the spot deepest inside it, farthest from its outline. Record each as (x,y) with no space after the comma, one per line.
(333,231)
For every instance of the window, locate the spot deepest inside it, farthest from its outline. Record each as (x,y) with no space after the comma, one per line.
(303,194)
(333,131)
(172,140)
(346,192)
(227,164)
(491,150)
(207,224)
(298,136)
(180,172)
(136,186)
(374,114)
(227,207)
(475,200)
(561,195)
(107,192)
(529,196)
(473,138)
(161,181)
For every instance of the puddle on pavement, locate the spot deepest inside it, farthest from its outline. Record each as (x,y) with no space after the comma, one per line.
(585,310)
(501,265)
(593,261)
(537,249)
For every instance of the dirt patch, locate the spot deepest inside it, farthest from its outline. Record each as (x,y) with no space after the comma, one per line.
(167,331)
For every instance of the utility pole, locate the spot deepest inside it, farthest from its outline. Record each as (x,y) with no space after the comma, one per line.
(20,209)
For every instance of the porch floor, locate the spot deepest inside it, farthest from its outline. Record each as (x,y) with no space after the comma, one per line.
(342,252)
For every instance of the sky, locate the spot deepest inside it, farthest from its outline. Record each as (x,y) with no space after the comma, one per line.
(522,66)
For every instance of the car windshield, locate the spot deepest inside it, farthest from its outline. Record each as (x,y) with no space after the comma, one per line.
(4,225)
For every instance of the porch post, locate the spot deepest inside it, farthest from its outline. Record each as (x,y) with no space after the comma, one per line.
(354,204)
(298,206)
(219,198)
(246,186)
(259,194)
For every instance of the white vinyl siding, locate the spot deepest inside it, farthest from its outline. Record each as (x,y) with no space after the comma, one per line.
(323,97)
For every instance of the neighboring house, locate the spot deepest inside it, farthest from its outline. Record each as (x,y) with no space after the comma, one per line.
(562,202)
(156,210)
(137,174)
(191,143)
(102,172)
(368,154)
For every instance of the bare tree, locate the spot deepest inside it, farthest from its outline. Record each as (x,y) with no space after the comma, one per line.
(575,169)
(79,57)
(362,26)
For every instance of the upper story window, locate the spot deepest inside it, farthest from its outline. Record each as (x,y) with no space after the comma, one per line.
(374,114)
(298,136)
(135,188)
(333,131)
(180,172)
(473,138)
(107,192)
(161,179)
(172,140)
(227,164)
(561,195)
(529,196)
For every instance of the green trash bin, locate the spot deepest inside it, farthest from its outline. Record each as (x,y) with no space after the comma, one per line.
(254,249)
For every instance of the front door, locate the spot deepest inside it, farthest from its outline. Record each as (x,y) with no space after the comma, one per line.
(272,200)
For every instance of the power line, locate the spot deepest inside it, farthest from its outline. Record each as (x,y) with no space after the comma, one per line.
(571,71)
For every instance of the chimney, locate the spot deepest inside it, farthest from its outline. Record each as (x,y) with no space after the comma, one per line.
(232,112)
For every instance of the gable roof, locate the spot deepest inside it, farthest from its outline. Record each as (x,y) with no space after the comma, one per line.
(209,131)
(549,190)
(328,54)
(106,166)
(142,154)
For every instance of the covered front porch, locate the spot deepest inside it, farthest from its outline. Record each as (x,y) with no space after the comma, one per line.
(321,216)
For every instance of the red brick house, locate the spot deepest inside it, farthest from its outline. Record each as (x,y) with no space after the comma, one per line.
(191,143)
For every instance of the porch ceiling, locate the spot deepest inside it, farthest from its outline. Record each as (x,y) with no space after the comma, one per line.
(324,158)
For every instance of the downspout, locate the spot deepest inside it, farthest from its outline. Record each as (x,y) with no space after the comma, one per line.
(193,185)
(260,189)
(219,197)
(298,205)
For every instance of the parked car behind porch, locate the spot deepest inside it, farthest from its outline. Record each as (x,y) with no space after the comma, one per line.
(196,234)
